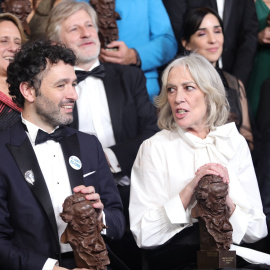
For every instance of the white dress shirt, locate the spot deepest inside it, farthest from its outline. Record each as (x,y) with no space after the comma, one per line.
(94,115)
(167,162)
(53,167)
(220,6)
(52,164)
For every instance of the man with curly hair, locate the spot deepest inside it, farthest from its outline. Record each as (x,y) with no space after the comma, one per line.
(43,162)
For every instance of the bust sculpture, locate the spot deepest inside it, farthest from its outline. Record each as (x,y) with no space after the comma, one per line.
(107,16)
(21,9)
(213,214)
(83,233)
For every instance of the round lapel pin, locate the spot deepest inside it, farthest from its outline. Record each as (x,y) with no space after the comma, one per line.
(75,163)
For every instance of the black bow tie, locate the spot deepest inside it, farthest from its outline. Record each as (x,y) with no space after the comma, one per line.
(43,136)
(98,72)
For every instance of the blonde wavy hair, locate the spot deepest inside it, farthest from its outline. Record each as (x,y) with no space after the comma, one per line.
(61,12)
(208,80)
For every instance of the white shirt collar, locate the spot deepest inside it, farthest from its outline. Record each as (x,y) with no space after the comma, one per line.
(97,63)
(33,129)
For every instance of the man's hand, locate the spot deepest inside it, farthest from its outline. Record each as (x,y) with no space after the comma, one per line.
(123,56)
(92,196)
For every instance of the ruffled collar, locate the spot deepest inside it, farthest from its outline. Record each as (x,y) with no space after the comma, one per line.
(219,145)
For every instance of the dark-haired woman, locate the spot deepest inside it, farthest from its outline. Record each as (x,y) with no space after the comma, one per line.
(203,33)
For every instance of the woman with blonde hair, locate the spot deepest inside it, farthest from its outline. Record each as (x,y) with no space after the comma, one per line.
(194,141)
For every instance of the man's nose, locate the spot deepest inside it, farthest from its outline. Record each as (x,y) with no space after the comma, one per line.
(72,94)
(85,32)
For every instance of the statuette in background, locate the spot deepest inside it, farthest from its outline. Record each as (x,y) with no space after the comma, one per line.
(107,16)
(21,9)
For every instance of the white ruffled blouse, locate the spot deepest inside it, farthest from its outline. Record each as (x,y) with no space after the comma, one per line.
(167,162)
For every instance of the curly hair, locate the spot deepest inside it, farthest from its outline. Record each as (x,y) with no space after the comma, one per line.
(30,63)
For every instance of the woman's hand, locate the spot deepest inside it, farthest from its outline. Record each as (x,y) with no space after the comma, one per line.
(209,168)
(213,168)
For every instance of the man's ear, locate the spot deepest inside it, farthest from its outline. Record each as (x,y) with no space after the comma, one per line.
(28,92)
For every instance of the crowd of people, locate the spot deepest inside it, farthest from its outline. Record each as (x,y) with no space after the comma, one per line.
(133,124)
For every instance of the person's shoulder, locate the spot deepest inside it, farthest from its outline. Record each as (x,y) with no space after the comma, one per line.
(228,129)
(5,135)
(15,129)
(112,68)
(232,135)
(159,146)
(82,136)
(232,80)
(161,138)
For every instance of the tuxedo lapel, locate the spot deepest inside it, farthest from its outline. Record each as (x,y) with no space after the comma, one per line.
(26,160)
(75,122)
(114,98)
(227,11)
(71,148)
(214,4)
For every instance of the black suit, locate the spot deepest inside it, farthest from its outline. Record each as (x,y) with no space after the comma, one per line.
(133,120)
(132,114)
(28,230)
(240,32)
(263,165)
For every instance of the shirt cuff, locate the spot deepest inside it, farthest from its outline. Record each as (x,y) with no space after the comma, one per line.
(104,222)
(115,167)
(49,264)
(176,211)
(239,221)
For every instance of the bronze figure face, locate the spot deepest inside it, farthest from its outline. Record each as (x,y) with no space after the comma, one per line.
(83,233)
(213,213)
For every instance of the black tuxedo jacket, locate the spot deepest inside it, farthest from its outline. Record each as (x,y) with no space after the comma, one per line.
(28,230)
(263,165)
(132,114)
(240,31)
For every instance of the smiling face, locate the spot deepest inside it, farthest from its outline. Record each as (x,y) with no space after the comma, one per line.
(53,104)
(79,34)
(10,41)
(208,39)
(187,101)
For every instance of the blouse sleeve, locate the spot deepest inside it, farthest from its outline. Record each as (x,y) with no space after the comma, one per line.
(155,216)
(248,219)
